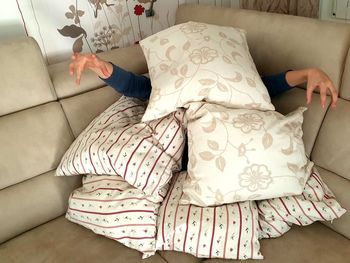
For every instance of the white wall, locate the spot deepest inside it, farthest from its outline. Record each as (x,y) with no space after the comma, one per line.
(326,12)
(10,20)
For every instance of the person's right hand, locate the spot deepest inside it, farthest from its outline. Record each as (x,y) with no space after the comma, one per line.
(80,62)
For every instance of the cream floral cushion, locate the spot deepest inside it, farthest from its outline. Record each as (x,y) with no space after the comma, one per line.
(195,62)
(239,154)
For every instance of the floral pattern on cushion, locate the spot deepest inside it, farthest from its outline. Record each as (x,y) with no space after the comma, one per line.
(240,154)
(194,61)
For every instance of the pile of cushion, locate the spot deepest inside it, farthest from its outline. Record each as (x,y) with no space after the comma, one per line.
(247,177)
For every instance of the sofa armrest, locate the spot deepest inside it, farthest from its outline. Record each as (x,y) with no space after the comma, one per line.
(129,58)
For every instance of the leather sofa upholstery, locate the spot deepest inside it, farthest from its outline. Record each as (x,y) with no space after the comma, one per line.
(42,112)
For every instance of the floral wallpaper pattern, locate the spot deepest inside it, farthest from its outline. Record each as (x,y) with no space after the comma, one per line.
(63,27)
(112,34)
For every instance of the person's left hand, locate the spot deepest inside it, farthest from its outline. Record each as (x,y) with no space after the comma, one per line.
(317,79)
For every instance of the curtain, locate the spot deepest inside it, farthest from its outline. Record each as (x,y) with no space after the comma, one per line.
(308,8)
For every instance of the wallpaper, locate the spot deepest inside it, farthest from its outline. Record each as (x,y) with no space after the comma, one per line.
(66,26)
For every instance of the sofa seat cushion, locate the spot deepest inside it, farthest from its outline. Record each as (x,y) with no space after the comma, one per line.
(314,243)
(62,241)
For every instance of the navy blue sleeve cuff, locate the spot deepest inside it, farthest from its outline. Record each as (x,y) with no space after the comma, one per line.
(276,84)
(129,84)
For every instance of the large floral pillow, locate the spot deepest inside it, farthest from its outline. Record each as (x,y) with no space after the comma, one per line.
(316,203)
(195,62)
(227,231)
(239,154)
(111,207)
(117,143)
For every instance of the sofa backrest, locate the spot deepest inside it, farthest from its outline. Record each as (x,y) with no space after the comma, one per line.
(281,42)
(41,112)
(34,133)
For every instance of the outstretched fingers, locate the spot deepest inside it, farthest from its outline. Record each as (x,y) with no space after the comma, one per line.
(71,68)
(323,95)
(334,95)
(79,70)
(80,62)
(309,90)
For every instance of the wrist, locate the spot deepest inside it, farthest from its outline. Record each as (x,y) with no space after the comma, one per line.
(310,71)
(100,73)
(297,77)
(109,68)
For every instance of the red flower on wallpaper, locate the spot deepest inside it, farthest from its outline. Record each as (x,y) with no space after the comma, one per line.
(138,10)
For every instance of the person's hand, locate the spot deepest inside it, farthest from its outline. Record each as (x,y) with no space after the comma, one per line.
(80,62)
(317,79)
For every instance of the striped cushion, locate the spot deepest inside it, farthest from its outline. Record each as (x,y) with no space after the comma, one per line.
(116,143)
(111,207)
(316,203)
(226,231)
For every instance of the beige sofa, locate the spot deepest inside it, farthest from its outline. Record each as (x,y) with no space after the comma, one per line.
(42,111)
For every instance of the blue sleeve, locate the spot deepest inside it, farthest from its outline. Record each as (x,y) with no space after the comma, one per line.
(129,84)
(276,84)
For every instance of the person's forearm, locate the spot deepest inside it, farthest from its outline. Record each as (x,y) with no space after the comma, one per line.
(297,77)
(128,83)
(276,84)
